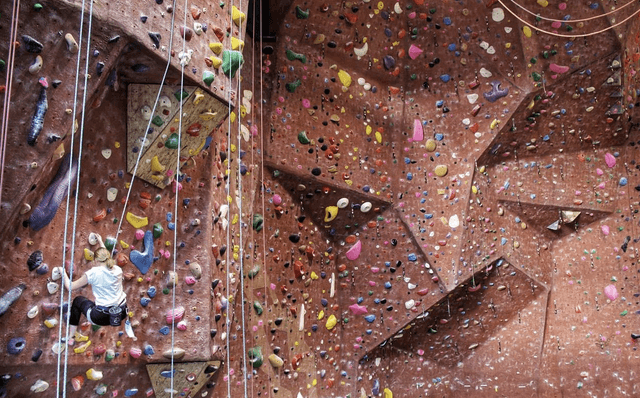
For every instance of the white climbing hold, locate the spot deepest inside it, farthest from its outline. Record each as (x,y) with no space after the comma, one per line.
(485,72)
(497,14)
(454,221)
(366,207)
(342,203)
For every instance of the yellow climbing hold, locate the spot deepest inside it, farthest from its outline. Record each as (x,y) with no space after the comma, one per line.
(378,137)
(430,146)
(206,116)
(331,322)
(124,244)
(345,78)
(313,275)
(494,124)
(237,15)
(319,39)
(215,62)
(216,47)
(320,315)
(474,189)
(387,393)
(441,170)
(368,130)
(380,5)
(543,3)
(236,44)
(330,213)
(234,221)
(526,30)
(198,97)
(156,166)
(136,221)
(232,117)
(88,254)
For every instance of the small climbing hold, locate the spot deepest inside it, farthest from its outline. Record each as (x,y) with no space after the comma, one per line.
(16,345)
(157,230)
(302,14)
(255,356)
(208,77)
(293,56)
(35,260)
(441,170)
(258,307)
(155,38)
(39,386)
(302,138)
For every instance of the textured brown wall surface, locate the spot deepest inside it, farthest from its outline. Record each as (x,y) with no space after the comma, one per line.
(403,180)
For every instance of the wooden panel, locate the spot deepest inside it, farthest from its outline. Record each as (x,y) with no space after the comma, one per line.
(188,377)
(201,114)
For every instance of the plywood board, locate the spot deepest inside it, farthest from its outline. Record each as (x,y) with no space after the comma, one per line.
(201,114)
(188,377)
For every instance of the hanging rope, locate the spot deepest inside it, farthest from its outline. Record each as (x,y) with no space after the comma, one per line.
(77,190)
(177,185)
(569,36)
(241,240)
(7,93)
(146,131)
(228,228)
(573,20)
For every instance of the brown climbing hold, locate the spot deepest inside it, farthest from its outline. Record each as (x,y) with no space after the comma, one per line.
(121,259)
(351,17)
(195,12)
(298,268)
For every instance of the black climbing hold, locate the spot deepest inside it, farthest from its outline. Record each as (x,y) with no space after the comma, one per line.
(55,83)
(213,332)
(32,45)
(316,171)
(155,38)
(295,238)
(143,19)
(36,355)
(114,39)
(100,68)
(35,260)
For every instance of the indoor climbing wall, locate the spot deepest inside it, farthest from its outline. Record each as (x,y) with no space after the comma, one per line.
(163,234)
(403,198)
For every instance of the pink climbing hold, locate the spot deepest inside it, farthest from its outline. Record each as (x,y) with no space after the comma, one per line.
(562,6)
(414,51)
(277,199)
(558,68)
(175,314)
(610,160)
(605,229)
(599,171)
(354,252)
(174,186)
(139,234)
(418,132)
(611,292)
(358,309)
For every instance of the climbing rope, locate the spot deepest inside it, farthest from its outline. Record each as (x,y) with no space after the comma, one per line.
(228,231)
(569,36)
(177,185)
(77,190)
(573,20)
(146,131)
(241,241)
(7,91)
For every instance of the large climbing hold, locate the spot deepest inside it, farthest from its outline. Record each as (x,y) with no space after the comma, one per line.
(231,62)
(255,356)
(143,260)
(57,191)
(37,122)
(11,297)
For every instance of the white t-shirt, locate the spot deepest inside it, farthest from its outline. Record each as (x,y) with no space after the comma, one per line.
(106,285)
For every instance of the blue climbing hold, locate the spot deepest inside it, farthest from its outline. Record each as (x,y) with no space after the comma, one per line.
(412,257)
(143,260)
(16,345)
(164,330)
(370,318)
(131,392)
(151,292)
(55,194)
(144,301)
(148,350)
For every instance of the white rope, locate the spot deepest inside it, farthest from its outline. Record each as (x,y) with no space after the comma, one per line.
(177,182)
(146,131)
(241,241)
(75,204)
(574,20)
(228,204)
(66,216)
(569,36)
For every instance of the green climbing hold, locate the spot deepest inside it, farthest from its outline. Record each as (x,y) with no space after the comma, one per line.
(37,7)
(255,356)
(302,137)
(536,76)
(157,230)
(291,87)
(292,56)
(180,95)
(231,62)
(3,65)
(208,77)
(254,271)
(157,120)
(302,14)
(258,221)
(172,141)
(95,328)
(110,243)
(258,307)
(533,60)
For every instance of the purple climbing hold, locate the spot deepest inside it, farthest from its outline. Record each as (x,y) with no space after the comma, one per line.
(389,62)
(143,260)
(496,92)
(16,345)
(57,191)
